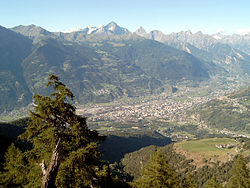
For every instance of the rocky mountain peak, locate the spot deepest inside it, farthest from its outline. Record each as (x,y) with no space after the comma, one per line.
(112,28)
(141,30)
(142,33)
(199,33)
(31,30)
(112,24)
(158,35)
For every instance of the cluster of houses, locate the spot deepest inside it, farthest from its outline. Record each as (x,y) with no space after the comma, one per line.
(226,146)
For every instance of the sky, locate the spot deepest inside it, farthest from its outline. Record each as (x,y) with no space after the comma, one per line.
(208,16)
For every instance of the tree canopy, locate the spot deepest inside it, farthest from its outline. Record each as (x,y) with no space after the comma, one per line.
(157,174)
(240,174)
(213,183)
(64,153)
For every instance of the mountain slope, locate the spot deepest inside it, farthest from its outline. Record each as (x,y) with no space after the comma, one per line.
(217,49)
(201,158)
(240,42)
(13,88)
(102,64)
(34,32)
(93,76)
(227,113)
(162,62)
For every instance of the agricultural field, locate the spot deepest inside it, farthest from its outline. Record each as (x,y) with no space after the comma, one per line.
(211,150)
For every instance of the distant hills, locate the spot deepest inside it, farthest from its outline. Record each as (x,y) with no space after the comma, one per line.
(228,113)
(110,62)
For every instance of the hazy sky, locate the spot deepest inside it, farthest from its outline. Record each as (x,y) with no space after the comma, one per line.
(209,16)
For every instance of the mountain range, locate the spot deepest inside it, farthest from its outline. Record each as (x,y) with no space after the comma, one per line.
(110,62)
(230,52)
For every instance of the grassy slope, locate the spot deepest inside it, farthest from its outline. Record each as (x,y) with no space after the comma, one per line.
(186,156)
(204,151)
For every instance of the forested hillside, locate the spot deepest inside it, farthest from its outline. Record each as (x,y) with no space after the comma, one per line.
(54,124)
(230,112)
(202,161)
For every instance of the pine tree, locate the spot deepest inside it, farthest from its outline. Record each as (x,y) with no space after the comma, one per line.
(213,183)
(64,148)
(188,182)
(240,174)
(16,166)
(157,174)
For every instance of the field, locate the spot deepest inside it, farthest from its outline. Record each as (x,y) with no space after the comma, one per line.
(206,152)
(205,145)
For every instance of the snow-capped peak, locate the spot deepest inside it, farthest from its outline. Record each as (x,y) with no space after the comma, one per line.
(217,37)
(91,29)
(112,28)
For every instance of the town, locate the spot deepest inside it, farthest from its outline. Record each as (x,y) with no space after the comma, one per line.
(171,108)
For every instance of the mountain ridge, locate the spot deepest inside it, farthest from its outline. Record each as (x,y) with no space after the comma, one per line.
(113,62)
(102,68)
(221,51)
(13,50)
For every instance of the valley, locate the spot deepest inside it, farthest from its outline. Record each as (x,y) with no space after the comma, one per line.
(184,94)
(112,64)
(165,106)
(164,113)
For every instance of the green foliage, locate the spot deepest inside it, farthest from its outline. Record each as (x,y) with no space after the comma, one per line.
(9,133)
(55,125)
(133,162)
(213,183)
(186,169)
(15,167)
(79,169)
(157,174)
(206,145)
(240,174)
(4,144)
(188,182)
(222,173)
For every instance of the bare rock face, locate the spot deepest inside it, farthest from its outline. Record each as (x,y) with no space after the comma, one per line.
(142,33)
(111,28)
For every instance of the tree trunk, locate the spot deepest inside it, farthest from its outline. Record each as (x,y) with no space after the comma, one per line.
(49,179)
